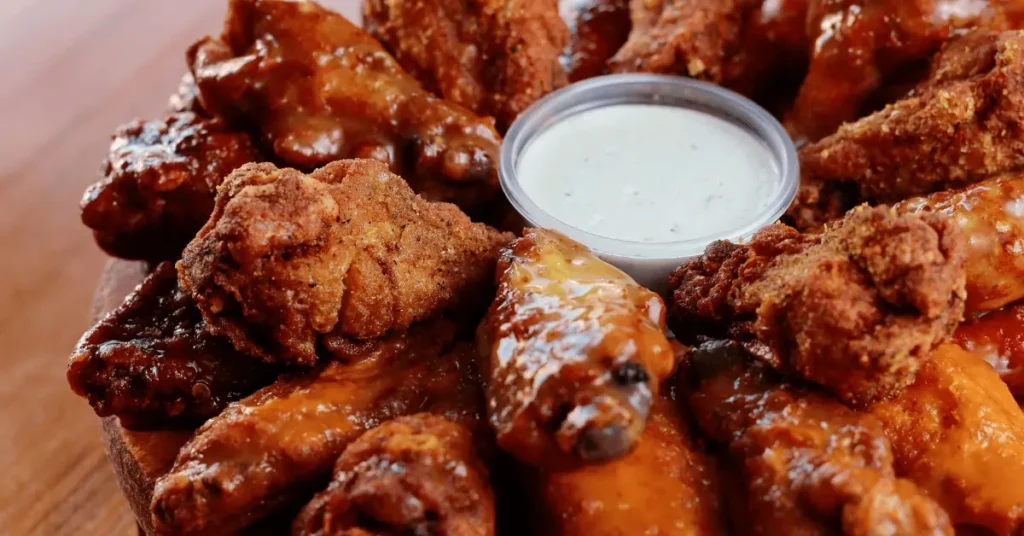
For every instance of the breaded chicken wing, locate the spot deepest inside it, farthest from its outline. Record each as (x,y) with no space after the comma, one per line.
(808,464)
(991,216)
(267,450)
(319,89)
(420,474)
(495,57)
(348,250)
(859,45)
(964,126)
(597,30)
(959,435)
(573,351)
(159,183)
(666,486)
(855,309)
(998,338)
(152,363)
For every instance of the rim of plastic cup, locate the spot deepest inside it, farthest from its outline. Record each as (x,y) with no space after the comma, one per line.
(662,90)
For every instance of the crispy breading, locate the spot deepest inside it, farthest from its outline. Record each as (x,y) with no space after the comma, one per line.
(159,182)
(855,309)
(964,127)
(495,57)
(152,363)
(316,88)
(807,464)
(420,474)
(348,250)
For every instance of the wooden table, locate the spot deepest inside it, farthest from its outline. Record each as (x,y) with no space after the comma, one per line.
(72,70)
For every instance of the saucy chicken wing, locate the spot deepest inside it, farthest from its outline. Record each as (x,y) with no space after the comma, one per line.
(152,363)
(810,465)
(998,338)
(267,450)
(159,183)
(666,486)
(960,128)
(495,57)
(319,89)
(573,351)
(348,250)
(959,435)
(420,474)
(597,29)
(855,309)
(991,215)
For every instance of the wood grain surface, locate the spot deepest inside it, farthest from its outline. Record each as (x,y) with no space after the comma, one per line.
(70,71)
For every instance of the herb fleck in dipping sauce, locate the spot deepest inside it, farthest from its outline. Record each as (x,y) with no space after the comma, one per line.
(649,173)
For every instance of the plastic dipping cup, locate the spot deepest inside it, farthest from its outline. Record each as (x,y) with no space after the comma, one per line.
(650,262)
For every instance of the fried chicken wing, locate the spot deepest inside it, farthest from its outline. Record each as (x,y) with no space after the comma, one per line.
(348,250)
(810,465)
(855,309)
(666,486)
(573,351)
(495,57)
(959,435)
(998,338)
(319,89)
(159,182)
(597,30)
(268,449)
(965,125)
(991,215)
(152,363)
(414,475)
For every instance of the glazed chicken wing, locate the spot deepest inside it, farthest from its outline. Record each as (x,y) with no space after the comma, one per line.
(991,215)
(573,352)
(319,89)
(964,125)
(349,250)
(666,486)
(420,474)
(998,338)
(855,309)
(268,449)
(810,465)
(959,435)
(495,57)
(859,45)
(152,363)
(159,183)
(597,29)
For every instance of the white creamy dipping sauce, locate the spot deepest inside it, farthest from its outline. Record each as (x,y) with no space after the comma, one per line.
(649,173)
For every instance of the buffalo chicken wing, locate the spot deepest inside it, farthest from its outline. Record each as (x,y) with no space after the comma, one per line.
(998,338)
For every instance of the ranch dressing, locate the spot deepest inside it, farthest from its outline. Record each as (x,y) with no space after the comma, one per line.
(649,173)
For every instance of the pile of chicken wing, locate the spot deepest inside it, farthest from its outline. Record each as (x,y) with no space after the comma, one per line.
(336,307)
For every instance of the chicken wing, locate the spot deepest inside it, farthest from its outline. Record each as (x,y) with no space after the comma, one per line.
(495,57)
(998,338)
(666,486)
(349,250)
(959,435)
(959,128)
(159,183)
(319,89)
(152,363)
(597,30)
(268,449)
(810,465)
(991,215)
(855,309)
(573,351)
(414,475)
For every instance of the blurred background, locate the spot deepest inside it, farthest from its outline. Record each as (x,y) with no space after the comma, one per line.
(70,72)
